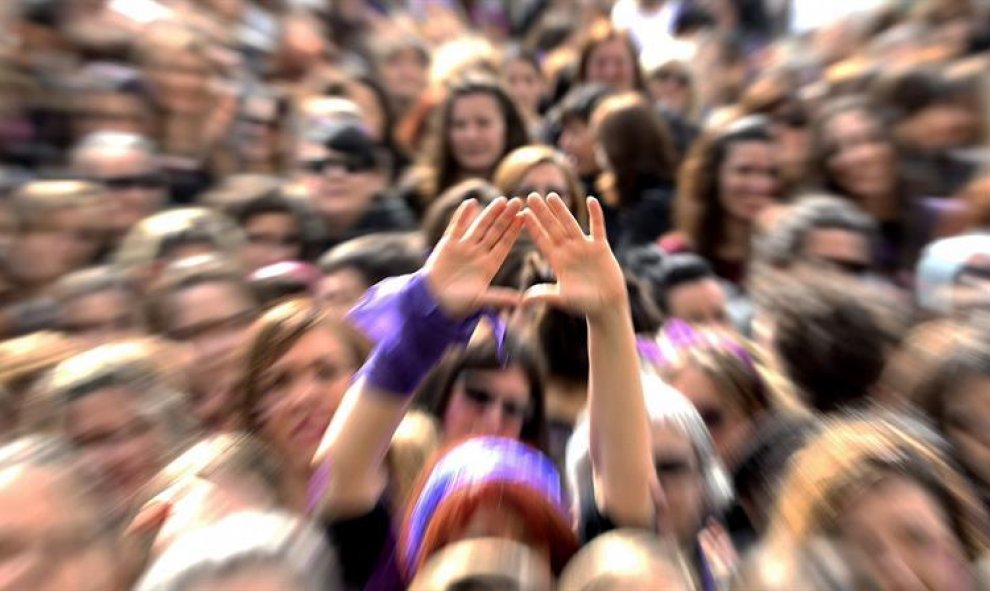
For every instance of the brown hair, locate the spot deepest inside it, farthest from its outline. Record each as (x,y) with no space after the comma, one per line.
(35,201)
(275,333)
(440,212)
(600,33)
(638,146)
(520,161)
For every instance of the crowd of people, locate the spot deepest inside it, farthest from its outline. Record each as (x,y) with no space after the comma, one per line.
(452,295)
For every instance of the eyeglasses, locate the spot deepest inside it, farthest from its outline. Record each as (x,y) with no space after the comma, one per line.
(323,165)
(139,181)
(483,399)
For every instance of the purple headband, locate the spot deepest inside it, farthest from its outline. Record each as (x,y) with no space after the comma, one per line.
(479,461)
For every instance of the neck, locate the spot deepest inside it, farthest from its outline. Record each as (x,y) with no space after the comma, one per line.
(340,222)
(735,242)
(294,489)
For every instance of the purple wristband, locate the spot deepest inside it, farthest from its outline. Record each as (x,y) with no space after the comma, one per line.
(411,330)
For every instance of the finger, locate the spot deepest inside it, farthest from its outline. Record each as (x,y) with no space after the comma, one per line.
(597,218)
(538,232)
(504,245)
(462,218)
(485,221)
(564,216)
(500,297)
(501,225)
(543,293)
(542,211)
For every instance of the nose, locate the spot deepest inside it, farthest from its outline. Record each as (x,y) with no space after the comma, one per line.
(492,419)
(301,394)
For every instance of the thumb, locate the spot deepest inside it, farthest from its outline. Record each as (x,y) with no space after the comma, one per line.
(543,293)
(500,297)
(139,537)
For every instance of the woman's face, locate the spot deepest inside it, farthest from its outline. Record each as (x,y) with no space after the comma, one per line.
(748,179)
(577,140)
(272,237)
(729,426)
(672,90)
(300,393)
(488,402)
(612,65)
(681,513)
(967,425)
(525,85)
(861,161)
(123,447)
(337,188)
(546,178)
(404,74)
(477,133)
(900,537)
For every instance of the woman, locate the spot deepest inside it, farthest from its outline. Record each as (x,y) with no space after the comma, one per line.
(640,163)
(853,155)
(526,84)
(474,127)
(489,389)
(727,180)
(541,170)
(608,57)
(905,518)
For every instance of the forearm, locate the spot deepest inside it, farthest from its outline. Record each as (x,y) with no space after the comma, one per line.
(620,433)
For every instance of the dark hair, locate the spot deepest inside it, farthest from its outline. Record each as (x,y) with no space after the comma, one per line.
(822,149)
(444,171)
(677,270)
(440,212)
(435,393)
(276,202)
(784,243)
(376,256)
(580,102)
(638,145)
(698,207)
(646,316)
(604,32)
(968,358)
(185,274)
(832,336)
(903,94)
(563,340)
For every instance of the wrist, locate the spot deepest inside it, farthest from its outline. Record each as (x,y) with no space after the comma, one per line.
(615,314)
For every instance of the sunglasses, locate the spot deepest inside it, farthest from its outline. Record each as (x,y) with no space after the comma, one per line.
(322,165)
(681,79)
(483,399)
(139,181)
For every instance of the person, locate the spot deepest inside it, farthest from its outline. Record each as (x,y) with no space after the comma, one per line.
(255,140)
(541,170)
(97,306)
(55,521)
(127,166)
(821,230)
(626,559)
(639,165)
(685,287)
(726,181)
(484,564)
(867,481)
(266,550)
(670,86)
(206,303)
(526,84)
(441,211)
(282,281)
(575,138)
(345,179)
(118,411)
(609,57)
(349,269)
(277,227)
(25,361)
(489,388)
(475,126)
(402,62)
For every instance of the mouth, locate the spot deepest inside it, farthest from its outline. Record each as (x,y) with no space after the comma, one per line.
(310,430)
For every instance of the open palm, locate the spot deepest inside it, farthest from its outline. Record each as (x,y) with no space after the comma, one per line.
(461,268)
(589,280)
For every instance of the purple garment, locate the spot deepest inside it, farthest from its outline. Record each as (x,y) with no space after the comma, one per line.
(479,461)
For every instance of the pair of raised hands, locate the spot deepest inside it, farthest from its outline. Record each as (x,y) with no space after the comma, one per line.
(476,243)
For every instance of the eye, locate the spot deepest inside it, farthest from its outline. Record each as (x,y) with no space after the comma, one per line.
(327,372)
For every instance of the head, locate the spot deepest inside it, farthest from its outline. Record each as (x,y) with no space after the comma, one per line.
(634,144)
(342,169)
(127,167)
(609,57)
(686,288)
(175,61)
(262,551)
(276,229)
(717,373)
(27,359)
(627,559)
(821,230)
(474,128)
(693,482)
(441,210)
(256,136)
(54,522)
(852,153)
(485,564)
(671,86)
(488,487)
(297,364)
(56,230)
(907,519)
(576,138)
(97,306)
(403,64)
(926,109)
(473,393)
(524,80)
(114,406)
(775,96)
(730,176)
(110,97)
(206,303)
(543,170)
(349,269)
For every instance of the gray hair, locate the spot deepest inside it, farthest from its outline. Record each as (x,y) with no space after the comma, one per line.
(664,406)
(241,542)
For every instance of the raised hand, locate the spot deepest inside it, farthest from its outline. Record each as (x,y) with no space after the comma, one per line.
(589,280)
(460,270)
